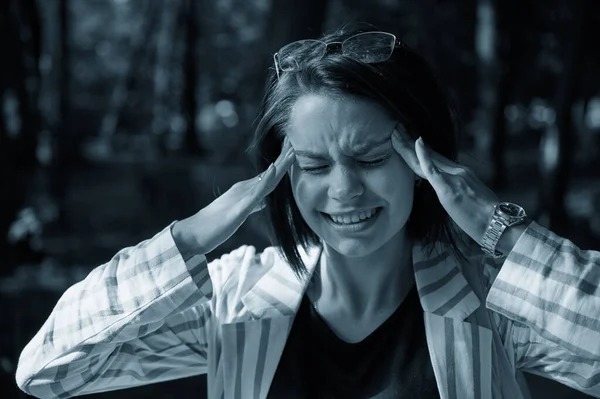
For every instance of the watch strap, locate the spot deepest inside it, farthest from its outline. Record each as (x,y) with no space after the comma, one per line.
(492,235)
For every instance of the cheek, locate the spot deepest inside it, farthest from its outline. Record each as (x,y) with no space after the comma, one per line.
(404,195)
(304,192)
(396,184)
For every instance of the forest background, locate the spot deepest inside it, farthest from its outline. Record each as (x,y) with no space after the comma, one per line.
(120,116)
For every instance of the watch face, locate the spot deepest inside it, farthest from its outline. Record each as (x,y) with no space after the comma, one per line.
(511,210)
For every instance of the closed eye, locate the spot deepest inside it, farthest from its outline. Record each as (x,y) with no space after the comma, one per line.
(376,162)
(318,169)
(313,170)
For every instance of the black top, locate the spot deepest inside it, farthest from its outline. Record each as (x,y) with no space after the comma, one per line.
(392,362)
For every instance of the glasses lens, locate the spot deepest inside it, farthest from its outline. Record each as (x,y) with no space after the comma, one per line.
(369,47)
(292,56)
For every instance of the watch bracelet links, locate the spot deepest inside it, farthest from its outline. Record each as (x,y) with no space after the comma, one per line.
(491,236)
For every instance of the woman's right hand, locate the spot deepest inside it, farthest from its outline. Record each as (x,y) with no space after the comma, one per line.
(214,224)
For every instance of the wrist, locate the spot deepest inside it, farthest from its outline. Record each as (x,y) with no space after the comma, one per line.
(185,239)
(509,238)
(504,229)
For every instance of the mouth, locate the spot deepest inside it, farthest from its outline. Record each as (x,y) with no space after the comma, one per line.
(354,219)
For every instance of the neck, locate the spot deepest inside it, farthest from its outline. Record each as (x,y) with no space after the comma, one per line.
(363,285)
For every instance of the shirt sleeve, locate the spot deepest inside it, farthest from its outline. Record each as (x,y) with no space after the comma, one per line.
(549,292)
(140,318)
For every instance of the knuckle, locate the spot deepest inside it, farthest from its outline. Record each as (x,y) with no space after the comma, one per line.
(464,188)
(465,171)
(462,173)
(458,197)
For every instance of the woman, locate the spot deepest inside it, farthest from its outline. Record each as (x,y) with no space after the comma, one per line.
(366,291)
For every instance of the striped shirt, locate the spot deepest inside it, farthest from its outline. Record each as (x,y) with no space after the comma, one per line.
(148,315)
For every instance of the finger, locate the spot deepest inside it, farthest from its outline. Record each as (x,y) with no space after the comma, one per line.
(403,145)
(442,162)
(260,186)
(273,175)
(284,161)
(431,171)
(286,145)
(269,179)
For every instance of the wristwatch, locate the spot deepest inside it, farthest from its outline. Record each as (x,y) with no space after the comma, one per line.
(506,214)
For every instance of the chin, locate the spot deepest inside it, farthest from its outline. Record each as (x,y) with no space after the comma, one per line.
(355,248)
(352,250)
(364,246)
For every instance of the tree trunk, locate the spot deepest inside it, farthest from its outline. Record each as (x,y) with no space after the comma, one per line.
(161,78)
(118,98)
(20,119)
(425,14)
(486,49)
(190,100)
(287,22)
(27,79)
(589,86)
(296,20)
(512,27)
(66,144)
(11,196)
(557,144)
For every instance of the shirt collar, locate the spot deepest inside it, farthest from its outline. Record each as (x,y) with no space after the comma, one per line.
(442,286)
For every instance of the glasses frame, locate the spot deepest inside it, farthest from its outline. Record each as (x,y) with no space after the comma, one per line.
(397,43)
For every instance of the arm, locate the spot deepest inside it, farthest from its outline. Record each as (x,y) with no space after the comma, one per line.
(549,290)
(138,319)
(145,316)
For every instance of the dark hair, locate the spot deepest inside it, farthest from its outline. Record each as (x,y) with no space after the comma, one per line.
(405,86)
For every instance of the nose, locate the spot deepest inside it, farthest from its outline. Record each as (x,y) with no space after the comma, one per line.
(345,185)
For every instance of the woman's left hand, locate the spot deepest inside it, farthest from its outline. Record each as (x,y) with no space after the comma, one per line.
(464,197)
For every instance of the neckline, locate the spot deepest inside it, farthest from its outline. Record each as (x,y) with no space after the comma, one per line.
(311,286)
(313,314)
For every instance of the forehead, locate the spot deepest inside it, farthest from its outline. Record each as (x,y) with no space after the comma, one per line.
(351,122)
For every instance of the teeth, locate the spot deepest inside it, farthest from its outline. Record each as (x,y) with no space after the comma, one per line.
(353,217)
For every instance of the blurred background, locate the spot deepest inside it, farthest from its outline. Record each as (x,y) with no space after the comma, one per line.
(120,116)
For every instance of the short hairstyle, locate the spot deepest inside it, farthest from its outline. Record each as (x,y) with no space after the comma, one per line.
(405,86)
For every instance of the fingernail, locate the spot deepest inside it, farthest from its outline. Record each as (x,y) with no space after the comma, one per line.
(421,142)
(286,142)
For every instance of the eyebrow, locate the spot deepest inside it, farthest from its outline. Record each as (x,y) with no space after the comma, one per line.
(362,151)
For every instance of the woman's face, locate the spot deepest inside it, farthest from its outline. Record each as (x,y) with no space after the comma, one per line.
(346,167)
